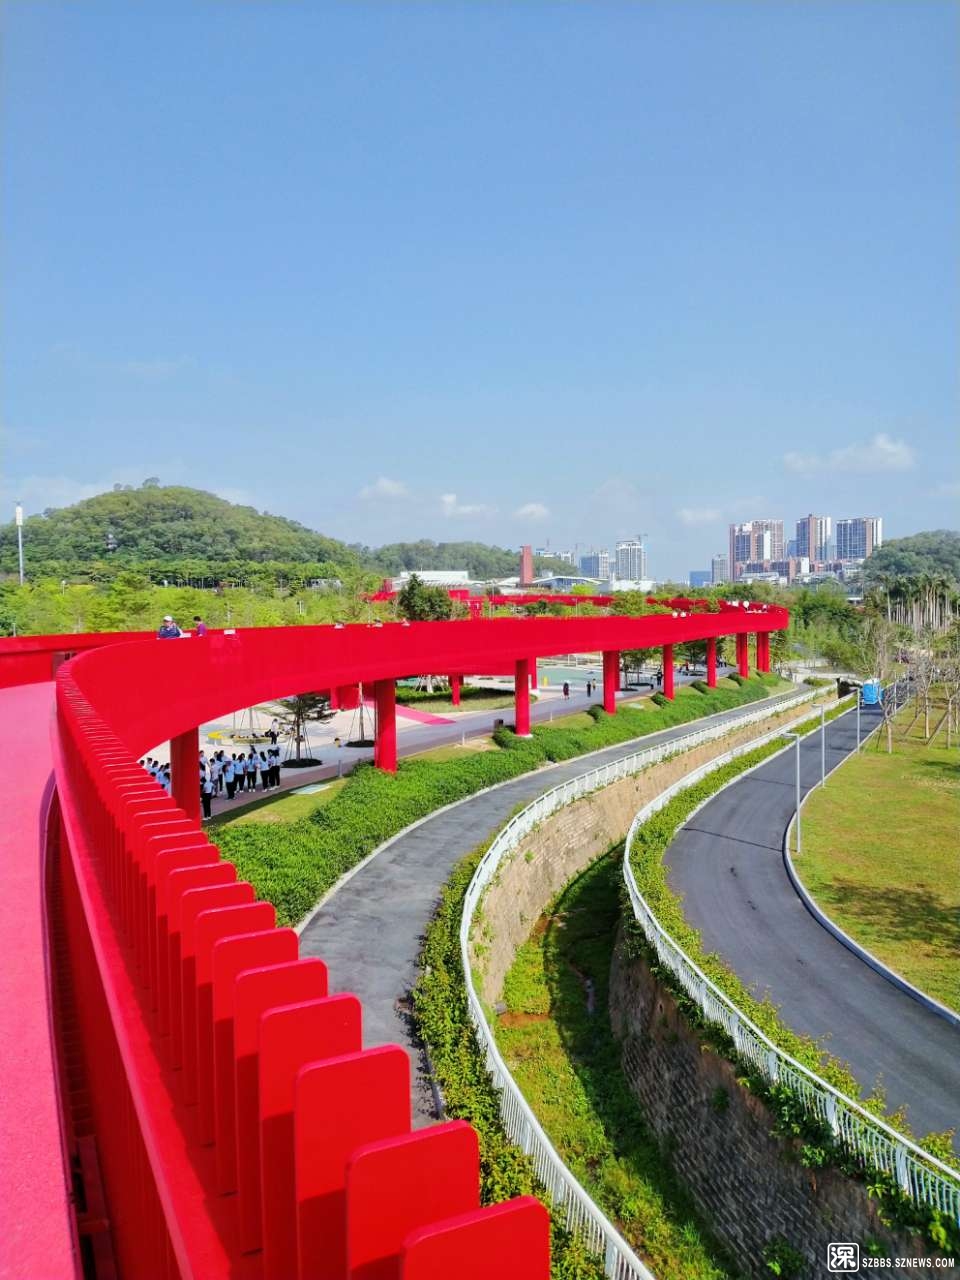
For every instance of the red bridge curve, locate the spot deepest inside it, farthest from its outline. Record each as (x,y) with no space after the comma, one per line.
(183,1098)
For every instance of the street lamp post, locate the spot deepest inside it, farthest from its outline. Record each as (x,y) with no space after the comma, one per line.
(796,738)
(19,516)
(823,746)
(858,721)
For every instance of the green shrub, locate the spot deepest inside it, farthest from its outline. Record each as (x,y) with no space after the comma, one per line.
(700,686)
(661,699)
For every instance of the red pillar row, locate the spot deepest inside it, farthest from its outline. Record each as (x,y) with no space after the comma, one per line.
(611,679)
(763,650)
(743,654)
(521,697)
(712,663)
(668,671)
(455,690)
(385,744)
(185,772)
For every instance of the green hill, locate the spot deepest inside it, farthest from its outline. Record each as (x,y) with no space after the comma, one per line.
(166,529)
(935,553)
(482,561)
(172,532)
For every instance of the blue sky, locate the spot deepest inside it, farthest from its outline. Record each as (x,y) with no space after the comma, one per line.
(511,271)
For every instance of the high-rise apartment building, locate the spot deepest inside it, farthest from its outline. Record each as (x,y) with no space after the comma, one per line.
(596,564)
(720,568)
(858,537)
(813,537)
(699,577)
(631,560)
(754,542)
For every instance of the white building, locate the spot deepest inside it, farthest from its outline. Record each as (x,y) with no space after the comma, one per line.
(631,560)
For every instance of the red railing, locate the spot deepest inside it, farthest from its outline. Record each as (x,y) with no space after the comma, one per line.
(242,1128)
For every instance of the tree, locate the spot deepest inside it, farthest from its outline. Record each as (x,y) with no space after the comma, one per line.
(877,662)
(298,713)
(419,603)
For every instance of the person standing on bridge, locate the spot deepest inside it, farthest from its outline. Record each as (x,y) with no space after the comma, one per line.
(199,626)
(168,629)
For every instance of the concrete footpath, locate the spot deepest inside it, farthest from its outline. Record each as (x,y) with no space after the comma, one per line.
(727,865)
(371,930)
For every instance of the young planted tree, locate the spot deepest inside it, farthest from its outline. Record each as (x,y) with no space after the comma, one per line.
(419,603)
(299,712)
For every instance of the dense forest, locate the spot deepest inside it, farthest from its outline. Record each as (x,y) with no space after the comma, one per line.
(175,535)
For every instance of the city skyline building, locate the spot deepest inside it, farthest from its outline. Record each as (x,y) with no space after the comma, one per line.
(754,542)
(720,568)
(813,537)
(596,564)
(700,577)
(631,559)
(858,536)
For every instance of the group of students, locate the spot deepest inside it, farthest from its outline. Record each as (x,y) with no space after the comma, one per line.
(159,771)
(235,773)
(224,774)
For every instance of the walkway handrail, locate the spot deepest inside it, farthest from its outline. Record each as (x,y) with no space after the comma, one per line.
(584,1218)
(867,1138)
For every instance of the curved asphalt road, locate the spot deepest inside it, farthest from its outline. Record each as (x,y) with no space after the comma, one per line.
(727,864)
(370,931)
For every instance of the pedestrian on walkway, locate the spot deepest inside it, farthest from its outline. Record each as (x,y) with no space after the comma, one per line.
(251,771)
(275,767)
(566,688)
(264,772)
(206,792)
(274,731)
(589,688)
(229,776)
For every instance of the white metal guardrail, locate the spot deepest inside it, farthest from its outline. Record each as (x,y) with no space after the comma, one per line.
(583,1217)
(864,1136)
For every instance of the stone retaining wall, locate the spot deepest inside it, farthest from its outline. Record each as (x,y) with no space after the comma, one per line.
(749,1184)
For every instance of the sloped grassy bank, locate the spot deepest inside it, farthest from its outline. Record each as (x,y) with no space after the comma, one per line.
(292,864)
(556,1038)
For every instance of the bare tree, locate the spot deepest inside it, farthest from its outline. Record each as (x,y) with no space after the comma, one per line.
(877,662)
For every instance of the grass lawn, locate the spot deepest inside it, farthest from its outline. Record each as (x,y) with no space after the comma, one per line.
(472,698)
(278,808)
(880,856)
(556,1039)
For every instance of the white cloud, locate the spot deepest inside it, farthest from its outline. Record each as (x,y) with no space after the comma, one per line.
(384,487)
(699,515)
(532,511)
(451,507)
(879,454)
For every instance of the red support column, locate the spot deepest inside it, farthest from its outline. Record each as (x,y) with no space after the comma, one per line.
(611,679)
(521,697)
(668,671)
(743,654)
(385,745)
(334,699)
(185,772)
(455,690)
(533,673)
(712,663)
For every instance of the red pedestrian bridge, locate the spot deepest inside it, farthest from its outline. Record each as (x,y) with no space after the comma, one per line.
(183,1097)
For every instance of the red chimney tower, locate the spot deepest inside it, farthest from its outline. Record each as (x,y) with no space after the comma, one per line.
(526,566)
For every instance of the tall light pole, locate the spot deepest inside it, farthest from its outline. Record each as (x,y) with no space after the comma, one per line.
(858,721)
(796,738)
(19,517)
(823,746)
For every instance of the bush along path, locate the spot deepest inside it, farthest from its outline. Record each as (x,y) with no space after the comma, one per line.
(555,1037)
(816,1145)
(292,864)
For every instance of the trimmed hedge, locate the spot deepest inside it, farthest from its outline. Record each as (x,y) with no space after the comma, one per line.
(292,864)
